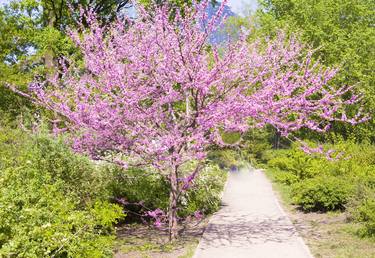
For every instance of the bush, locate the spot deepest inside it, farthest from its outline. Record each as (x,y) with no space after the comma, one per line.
(51,201)
(366,215)
(137,185)
(256,142)
(225,158)
(297,163)
(285,177)
(361,206)
(205,195)
(318,184)
(152,190)
(321,193)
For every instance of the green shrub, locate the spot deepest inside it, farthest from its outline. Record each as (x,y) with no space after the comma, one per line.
(321,193)
(318,184)
(366,215)
(268,155)
(136,185)
(299,164)
(285,177)
(225,158)
(256,142)
(205,195)
(51,201)
(283,163)
(361,206)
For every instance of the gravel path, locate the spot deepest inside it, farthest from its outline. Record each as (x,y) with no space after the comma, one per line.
(251,223)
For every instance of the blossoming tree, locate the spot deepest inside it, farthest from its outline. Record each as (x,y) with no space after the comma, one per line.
(155,90)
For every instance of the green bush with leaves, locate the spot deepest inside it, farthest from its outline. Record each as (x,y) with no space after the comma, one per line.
(138,185)
(225,158)
(298,164)
(361,206)
(205,195)
(318,184)
(143,190)
(321,193)
(366,215)
(52,203)
(256,142)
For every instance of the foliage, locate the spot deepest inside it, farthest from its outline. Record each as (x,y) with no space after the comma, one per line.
(256,143)
(142,190)
(297,164)
(366,215)
(51,201)
(33,35)
(159,94)
(343,34)
(320,184)
(361,206)
(205,194)
(136,185)
(321,193)
(225,158)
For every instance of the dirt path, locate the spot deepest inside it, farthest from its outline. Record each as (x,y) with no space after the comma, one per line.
(251,223)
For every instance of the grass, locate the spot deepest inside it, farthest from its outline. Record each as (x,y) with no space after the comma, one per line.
(190,250)
(338,239)
(328,235)
(282,189)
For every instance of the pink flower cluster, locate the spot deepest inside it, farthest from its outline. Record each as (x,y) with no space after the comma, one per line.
(330,154)
(158,216)
(153,88)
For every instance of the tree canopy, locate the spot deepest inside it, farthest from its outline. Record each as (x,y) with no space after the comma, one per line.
(343,33)
(157,93)
(33,35)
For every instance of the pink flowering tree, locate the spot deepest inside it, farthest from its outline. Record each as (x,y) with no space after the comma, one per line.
(153,92)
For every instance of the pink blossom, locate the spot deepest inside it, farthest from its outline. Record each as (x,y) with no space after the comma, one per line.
(155,213)
(198,215)
(154,92)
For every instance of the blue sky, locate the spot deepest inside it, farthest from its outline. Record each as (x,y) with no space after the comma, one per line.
(242,6)
(237,6)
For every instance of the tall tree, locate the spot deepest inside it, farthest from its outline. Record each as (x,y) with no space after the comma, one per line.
(156,94)
(342,30)
(33,36)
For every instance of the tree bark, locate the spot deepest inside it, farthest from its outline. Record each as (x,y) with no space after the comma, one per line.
(49,54)
(276,143)
(172,212)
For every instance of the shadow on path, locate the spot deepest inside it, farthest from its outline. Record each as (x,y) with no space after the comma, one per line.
(250,223)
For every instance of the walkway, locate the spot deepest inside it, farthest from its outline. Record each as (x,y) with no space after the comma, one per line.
(251,223)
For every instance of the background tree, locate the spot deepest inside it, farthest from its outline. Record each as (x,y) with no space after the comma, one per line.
(157,94)
(33,36)
(342,30)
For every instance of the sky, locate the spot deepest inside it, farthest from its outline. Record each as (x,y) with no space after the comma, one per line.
(238,6)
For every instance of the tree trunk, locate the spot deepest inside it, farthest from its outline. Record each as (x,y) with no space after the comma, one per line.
(276,143)
(49,54)
(172,212)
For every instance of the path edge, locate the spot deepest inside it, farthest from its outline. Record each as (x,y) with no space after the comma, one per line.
(280,207)
(197,249)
